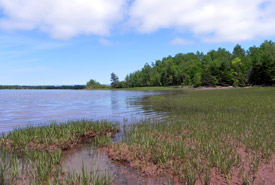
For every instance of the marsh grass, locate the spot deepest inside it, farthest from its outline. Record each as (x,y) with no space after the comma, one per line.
(209,132)
(33,155)
(226,133)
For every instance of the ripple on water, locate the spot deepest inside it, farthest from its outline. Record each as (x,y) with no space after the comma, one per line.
(22,107)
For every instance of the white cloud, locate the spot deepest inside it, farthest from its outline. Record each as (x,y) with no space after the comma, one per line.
(209,20)
(181,42)
(62,19)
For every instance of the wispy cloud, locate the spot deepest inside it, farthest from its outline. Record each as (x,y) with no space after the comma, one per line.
(16,46)
(181,42)
(50,45)
(34,69)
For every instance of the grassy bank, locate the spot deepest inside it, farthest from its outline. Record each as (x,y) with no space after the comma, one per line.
(32,155)
(214,136)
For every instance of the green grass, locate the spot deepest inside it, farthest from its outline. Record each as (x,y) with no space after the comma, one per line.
(32,155)
(229,131)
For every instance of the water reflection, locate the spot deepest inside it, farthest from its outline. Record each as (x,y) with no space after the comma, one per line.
(22,107)
(115,102)
(90,159)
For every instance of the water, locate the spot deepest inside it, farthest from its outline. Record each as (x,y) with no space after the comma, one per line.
(99,162)
(22,107)
(19,108)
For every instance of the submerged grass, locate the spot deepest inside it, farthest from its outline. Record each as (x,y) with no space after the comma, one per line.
(32,155)
(226,133)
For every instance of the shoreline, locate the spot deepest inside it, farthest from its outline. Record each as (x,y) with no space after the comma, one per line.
(215,136)
(152,88)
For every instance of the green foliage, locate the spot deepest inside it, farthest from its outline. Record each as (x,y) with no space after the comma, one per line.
(263,64)
(237,72)
(215,68)
(114,80)
(187,80)
(92,84)
(197,79)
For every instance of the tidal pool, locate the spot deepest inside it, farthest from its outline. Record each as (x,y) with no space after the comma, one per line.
(91,159)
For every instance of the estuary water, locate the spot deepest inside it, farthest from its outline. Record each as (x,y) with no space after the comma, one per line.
(19,108)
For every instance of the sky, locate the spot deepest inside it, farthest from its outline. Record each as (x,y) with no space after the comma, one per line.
(69,42)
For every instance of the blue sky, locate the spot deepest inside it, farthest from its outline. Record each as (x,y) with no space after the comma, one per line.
(58,42)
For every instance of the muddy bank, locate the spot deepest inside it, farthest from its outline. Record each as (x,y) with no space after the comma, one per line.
(132,158)
(33,155)
(97,159)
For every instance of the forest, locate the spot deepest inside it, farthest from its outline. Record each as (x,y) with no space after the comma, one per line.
(255,66)
(76,87)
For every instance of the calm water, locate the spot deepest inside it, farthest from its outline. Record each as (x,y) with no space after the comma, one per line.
(90,159)
(19,108)
(22,107)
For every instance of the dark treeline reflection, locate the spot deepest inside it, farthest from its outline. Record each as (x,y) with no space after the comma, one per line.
(256,66)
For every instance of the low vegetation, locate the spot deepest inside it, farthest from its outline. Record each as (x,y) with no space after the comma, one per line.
(211,136)
(92,84)
(33,155)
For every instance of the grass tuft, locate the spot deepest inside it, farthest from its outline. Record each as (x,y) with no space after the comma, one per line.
(33,155)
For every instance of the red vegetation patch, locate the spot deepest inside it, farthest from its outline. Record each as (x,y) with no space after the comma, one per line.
(243,174)
(134,158)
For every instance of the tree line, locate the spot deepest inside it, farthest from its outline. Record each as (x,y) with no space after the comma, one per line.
(75,87)
(255,66)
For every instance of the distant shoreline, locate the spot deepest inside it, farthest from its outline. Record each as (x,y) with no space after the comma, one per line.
(42,87)
(83,87)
